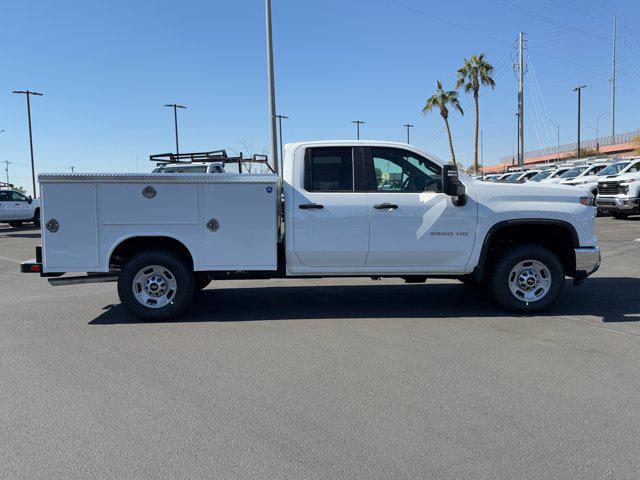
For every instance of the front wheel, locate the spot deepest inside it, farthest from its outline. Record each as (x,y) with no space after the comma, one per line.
(156,285)
(527,278)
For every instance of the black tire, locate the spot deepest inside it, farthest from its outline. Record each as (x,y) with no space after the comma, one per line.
(180,272)
(619,215)
(202,281)
(15,224)
(502,267)
(36,218)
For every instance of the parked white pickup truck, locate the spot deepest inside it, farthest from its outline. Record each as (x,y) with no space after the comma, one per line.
(620,195)
(342,208)
(16,208)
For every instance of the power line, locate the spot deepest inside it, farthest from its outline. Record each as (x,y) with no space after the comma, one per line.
(541,18)
(577,10)
(448,22)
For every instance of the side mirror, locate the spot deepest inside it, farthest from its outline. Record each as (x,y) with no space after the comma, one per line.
(451,184)
(30,199)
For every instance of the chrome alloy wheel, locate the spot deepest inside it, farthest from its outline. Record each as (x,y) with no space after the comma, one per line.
(530,281)
(154,286)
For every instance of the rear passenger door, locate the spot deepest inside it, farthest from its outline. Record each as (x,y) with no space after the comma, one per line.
(331,219)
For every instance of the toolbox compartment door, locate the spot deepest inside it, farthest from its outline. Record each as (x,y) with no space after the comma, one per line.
(73,246)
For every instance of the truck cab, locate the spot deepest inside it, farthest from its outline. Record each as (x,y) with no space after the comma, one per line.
(341,208)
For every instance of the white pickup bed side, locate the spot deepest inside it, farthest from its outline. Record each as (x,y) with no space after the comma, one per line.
(96,212)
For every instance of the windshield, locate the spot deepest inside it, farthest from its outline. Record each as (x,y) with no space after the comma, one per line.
(540,176)
(513,178)
(182,169)
(612,169)
(574,172)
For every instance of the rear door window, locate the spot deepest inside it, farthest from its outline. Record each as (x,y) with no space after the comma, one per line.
(329,169)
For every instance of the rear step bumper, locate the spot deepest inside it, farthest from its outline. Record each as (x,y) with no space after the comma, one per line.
(35,264)
(31,266)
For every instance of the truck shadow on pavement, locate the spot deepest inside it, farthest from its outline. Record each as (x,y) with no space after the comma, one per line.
(614,299)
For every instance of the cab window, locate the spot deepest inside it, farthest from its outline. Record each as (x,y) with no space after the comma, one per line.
(399,170)
(329,169)
(4,196)
(18,197)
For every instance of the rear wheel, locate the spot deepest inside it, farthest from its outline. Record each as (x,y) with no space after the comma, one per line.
(156,285)
(527,278)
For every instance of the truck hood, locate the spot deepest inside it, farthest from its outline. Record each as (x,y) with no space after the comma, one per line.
(533,191)
(621,178)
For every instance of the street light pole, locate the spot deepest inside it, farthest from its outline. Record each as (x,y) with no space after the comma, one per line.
(280,117)
(408,125)
(358,123)
(579,90)
(28,94)
(175,107)
(598,129)
(272,88)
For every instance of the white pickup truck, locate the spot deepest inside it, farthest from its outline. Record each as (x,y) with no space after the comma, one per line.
(16,208)
(620,195)
(341,208)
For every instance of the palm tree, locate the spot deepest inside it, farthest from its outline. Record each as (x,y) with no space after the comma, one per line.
(475,72)
(440,100)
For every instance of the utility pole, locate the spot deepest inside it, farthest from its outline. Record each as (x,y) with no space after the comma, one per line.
(28,94)
(6,168)
(579,89)
(358,123)
(272,89)
(613,85)
(408,125)
(520,99)
(175,107)
(72,168)
(280,117)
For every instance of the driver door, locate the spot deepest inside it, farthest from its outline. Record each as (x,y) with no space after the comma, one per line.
(413,224)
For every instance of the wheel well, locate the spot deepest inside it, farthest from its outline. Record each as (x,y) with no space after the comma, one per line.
(559,238)
(132,246)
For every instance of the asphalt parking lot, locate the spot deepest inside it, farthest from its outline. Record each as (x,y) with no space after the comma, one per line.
(322,379)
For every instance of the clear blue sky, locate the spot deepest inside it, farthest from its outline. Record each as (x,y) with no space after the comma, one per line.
(107,68)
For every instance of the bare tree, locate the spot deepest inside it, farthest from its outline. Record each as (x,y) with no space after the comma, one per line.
(248,150)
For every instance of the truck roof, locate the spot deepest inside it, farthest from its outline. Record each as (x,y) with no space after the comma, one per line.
(362,143)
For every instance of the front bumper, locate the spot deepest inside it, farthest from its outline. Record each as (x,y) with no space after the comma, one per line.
(617,203)
(587,262)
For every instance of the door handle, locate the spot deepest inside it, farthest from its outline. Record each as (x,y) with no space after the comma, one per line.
(385,206)
(309,206)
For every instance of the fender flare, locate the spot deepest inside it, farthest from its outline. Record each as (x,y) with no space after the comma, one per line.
(479,270)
